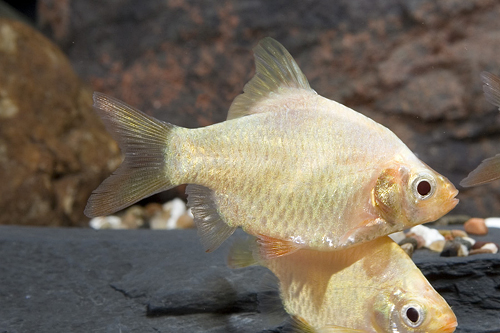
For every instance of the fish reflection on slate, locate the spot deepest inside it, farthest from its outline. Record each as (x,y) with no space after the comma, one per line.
(372,287)
(294,168)
(489,169)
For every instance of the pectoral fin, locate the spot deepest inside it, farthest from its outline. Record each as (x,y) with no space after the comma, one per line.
(300,325)
(270,248)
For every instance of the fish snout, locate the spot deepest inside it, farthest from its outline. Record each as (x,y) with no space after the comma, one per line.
(449,325)
(449,194)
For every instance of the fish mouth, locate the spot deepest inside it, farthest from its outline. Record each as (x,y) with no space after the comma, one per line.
(452,201)
(449,327)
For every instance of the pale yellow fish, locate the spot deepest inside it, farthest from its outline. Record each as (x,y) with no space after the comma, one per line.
(489,169)
(297,168)
(373,287)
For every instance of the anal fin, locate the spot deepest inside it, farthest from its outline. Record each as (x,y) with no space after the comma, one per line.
(270,248)
(212,228)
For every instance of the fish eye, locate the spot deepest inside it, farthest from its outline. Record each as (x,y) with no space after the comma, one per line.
(412,315)
(424,186)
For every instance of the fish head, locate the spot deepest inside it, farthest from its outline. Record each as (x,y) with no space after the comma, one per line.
(405,312)
(408,194)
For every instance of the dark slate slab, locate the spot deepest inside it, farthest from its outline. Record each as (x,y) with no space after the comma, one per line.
(80,280)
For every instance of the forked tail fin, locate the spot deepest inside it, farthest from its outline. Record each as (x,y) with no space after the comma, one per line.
(144,141)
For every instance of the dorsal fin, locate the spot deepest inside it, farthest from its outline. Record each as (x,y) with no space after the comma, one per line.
(275,72)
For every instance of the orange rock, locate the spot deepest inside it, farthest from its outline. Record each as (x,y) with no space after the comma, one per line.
(476,226)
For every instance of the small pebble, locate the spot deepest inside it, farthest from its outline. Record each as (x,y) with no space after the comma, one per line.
(463,251)
(479,251)
(397,236)
(476,226)
(437,246)
(408,248)
(185,221)
(174,215)
(459,233)
(430,235)
(486,248)
(409,240)
(470,240)
(177,208)
(106,222)
(133,218)
(446,234)
(454,249)
(492,222)
(450,249)
(490,246)
(159,220)
(464,242)
(479,244)
(152,209)
(420,240)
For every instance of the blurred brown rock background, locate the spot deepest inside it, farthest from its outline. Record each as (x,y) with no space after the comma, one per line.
(411,65)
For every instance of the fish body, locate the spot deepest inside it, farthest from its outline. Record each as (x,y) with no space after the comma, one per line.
(373,287)
(489,169)
(292,167)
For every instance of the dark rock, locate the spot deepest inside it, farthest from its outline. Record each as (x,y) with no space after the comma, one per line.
(80,280)
(451,249)
(464,242)
(410,240)
(53,148)
(411,65)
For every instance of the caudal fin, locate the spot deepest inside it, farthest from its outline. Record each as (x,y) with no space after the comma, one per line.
(144,142)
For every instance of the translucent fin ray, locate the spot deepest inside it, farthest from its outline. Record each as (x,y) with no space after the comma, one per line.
(212,228)
(144,142)
(491,88)
(276,72)
(242,253)
(487,171)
